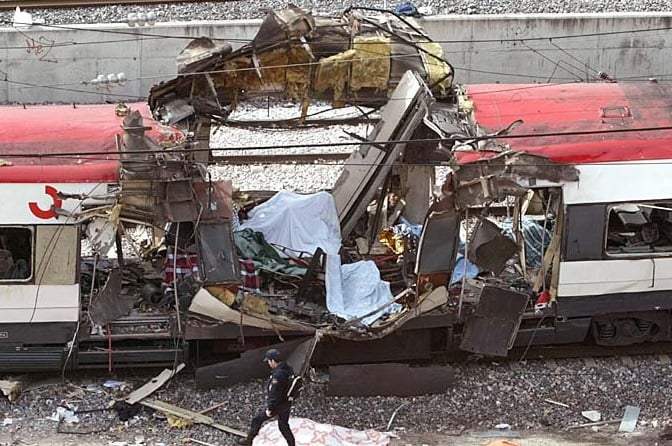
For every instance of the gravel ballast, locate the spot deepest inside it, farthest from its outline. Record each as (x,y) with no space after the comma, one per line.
(484,395)
(254,9)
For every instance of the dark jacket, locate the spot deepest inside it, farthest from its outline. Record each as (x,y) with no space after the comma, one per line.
(278,384)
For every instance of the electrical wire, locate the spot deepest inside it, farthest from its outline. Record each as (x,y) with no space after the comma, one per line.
(354,143)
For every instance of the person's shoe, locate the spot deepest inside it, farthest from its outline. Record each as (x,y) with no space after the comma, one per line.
(247,441)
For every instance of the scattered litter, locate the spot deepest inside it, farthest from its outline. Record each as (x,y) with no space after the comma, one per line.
(93,388)
(113,384)
(75,394)
(502,443)
(597,423)
(7,421)
(170,409)
(193,440)
(629,419)
(177,422)
(66,414)
(592,415)
(503,426)
(12,389)
(557,403)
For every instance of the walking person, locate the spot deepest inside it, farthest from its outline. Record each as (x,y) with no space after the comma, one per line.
(277,403)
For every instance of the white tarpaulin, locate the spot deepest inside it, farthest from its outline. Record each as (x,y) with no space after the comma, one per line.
(309,433)
(307,222)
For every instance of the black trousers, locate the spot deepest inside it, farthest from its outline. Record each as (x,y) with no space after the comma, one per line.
(283,422)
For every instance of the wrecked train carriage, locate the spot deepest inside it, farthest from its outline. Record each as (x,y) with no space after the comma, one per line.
(585,166)
(74,179)
(73,191)
(535,176)
(552,158)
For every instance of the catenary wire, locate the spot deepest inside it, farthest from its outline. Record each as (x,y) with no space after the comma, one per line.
(357,143)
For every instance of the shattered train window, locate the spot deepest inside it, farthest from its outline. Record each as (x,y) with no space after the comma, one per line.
(639,228)
(16,253)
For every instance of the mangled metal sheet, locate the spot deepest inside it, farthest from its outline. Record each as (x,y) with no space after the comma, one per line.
(507,174)
(206,304)
(250,365)
(352,58)
(216,199)
(367,167)
(197,54)
(218,256)
(438,241)
(489,248)
(110,304)
(492,329)
(388,380)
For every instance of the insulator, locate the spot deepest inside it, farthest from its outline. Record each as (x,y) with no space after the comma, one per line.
(151,18)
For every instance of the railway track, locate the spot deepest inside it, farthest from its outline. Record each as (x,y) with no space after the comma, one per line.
(55,4)
(288,158)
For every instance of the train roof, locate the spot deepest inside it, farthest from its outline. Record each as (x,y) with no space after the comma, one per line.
(560,109)
(66,143)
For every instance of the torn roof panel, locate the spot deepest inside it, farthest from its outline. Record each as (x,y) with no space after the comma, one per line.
(562,108)
(64,129)
(306,57)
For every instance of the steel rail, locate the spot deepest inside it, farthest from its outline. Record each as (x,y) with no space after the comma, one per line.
(55,4)
(587,351)
(279,158)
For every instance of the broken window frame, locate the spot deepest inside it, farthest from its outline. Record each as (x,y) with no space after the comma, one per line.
(663,205)
(31,261)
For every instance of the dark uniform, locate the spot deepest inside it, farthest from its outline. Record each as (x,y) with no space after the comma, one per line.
(277,403)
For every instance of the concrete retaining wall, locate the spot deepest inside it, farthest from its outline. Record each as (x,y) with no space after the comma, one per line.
(44,64)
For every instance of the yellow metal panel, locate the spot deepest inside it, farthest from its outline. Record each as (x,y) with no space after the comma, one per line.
(440,73)
(371,66)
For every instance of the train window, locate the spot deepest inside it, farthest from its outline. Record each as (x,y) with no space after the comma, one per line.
(639,228)
(16,253)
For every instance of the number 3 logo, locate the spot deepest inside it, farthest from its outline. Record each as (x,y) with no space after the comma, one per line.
(51,212)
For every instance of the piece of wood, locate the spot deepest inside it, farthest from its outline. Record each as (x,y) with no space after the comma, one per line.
(597,423)
(213,407)
(193,440)
(153,385)
(189,415)
(394,414)
(557,403)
